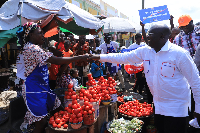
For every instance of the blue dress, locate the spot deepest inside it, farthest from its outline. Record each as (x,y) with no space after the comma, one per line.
(39,97)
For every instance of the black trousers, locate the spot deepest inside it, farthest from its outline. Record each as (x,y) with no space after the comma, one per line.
(169,124)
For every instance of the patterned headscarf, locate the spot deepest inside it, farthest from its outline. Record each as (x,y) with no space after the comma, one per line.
(23,31)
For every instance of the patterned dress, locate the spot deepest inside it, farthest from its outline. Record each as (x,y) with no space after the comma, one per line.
(36,92)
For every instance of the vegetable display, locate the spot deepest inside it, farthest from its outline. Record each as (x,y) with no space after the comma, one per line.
(125,126)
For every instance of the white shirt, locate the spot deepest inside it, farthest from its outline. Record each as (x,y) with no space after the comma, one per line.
(169,73)
(135,46)
(112,43)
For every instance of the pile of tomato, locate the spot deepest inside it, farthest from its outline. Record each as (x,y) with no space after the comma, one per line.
(136,109)
(120,98)
(59,119)
(100,91)
(74,110)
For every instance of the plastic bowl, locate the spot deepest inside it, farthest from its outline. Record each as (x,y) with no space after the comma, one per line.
(105,102)
(76,126)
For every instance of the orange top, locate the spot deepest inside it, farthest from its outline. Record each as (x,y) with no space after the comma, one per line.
(68,54)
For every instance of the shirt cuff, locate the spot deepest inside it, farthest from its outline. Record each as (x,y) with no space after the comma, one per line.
(197,108)
(103,57)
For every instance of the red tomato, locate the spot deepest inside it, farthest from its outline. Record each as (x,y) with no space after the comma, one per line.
(65,126)
(70,94)
(110,78)
(86,103)
(93,110)
(70,86)
(87,108)
(80,119)
(74,101)
(51,121)
(70,120)
(76,111)
(79,115)
(73,92)
(82,90)
(75,120)
(70,105)
(90,112)
(91,100)
(80,94)
(68,97)
(54,125)
(56,114)
(85,113)
(57,120)
(73,116)
(52,118)
(69,110)
(74,106)
(89,96)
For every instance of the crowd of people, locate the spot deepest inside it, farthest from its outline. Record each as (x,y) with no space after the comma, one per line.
(171,60)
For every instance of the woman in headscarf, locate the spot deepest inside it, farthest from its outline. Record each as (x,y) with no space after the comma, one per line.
(32,67)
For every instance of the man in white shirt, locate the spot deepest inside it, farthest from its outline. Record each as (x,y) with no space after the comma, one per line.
(170,72)
(112,68)
(138,43)
(140,78)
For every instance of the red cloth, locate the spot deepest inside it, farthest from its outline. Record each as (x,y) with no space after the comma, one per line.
(53,71)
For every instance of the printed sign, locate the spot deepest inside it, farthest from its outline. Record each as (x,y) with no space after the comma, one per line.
(154,14)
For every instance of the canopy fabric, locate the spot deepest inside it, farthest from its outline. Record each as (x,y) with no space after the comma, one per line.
(13,10)
(115,24)
(64,30)
(6,35)
(73,27)
(17,12)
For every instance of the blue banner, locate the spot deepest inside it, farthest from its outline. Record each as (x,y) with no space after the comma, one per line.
(154,14)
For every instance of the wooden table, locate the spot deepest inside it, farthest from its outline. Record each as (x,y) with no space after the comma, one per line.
(104,112)
(83,129)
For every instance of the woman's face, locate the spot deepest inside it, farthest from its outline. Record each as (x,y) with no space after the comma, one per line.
(37,37)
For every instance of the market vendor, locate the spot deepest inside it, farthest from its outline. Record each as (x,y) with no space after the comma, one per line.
(81,48)
(170,72)
(36,92)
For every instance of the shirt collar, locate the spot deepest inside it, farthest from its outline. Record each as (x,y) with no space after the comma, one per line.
(165,47)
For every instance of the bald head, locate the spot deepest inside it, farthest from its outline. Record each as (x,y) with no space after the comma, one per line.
(160,28)
(158,35)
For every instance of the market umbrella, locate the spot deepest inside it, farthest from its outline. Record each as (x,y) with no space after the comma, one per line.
(115,24)
(17,12)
